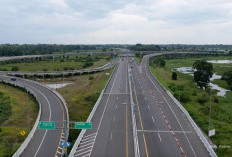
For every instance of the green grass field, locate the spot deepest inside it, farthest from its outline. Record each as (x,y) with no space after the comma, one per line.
(58,64)
(81,96)
(10,138)
(196,101)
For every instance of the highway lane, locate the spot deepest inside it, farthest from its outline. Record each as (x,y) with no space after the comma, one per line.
(163,129)
(111,134)
(45,142)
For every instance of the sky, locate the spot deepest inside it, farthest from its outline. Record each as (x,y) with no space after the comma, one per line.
(116,22)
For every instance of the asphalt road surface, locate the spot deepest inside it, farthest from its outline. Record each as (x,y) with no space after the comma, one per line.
(162,128)
(45,143)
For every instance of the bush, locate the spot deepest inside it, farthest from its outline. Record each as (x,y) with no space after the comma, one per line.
(14,68)
(91,78)
(87,64)
(159,62)
(184,96)
(216,99)
(92,98)
(174,76)
(172,87)
(203,99)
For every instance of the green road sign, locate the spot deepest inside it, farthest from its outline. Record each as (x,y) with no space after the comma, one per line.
(47,125)
(83,125)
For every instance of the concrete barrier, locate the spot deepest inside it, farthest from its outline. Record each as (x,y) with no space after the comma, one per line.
(194,125)
(75,146)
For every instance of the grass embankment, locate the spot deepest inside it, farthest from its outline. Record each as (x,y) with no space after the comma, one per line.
(59,64)
(13,118)
(196,101)
(81,96)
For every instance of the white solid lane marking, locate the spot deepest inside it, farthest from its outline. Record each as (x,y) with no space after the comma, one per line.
(89,135)
(111,136)
(82,153)
(105,107)
(164,131)
(170,108)
(79,150)
(86,145)
(159,137)
(49,117)
(87,141)
(86,155)
(58,152)
(153,119)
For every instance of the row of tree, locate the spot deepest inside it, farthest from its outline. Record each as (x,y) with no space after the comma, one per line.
(140,47)
(28,49)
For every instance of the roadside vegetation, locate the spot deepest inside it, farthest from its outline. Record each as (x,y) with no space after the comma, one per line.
(58,64)
(81,96)
(197,100)
(13,117)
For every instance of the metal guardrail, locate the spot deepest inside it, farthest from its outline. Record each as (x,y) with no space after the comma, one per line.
(135,136)
(194,125)
(75,146)
(67,72)
(31,134)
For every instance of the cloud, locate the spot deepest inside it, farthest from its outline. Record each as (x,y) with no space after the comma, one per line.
(122,21)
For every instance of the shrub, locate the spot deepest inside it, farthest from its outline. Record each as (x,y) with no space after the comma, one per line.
(91,78)
(202,99)
(184,96)
(159,62)
(14,68)
(216,99)
(172,87)
(87,64)
(174,76)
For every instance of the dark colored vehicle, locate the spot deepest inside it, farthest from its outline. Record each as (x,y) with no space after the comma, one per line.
(13,79)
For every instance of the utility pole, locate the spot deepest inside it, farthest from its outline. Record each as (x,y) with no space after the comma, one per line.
(179,84)
(210,108)
(28,114)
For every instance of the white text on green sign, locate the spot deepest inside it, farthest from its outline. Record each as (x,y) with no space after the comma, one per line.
(83,125)
(47,125)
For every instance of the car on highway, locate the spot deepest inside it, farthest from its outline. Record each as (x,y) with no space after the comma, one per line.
(13,79)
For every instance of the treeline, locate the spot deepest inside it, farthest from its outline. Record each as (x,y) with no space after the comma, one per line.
(29,49)
(140,47)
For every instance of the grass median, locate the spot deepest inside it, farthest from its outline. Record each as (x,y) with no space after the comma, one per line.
(13,117)
(196,101)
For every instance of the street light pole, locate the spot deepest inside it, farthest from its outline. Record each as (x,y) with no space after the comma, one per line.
(210,108)
(28,114)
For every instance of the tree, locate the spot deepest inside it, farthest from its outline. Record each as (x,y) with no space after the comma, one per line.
(174,76)
(230,53)
(227,76)
(15,68)
(159,62)
(203,72)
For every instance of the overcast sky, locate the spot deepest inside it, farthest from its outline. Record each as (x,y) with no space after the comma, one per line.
(116,22)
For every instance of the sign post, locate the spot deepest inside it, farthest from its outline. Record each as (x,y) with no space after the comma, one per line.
(211,132)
